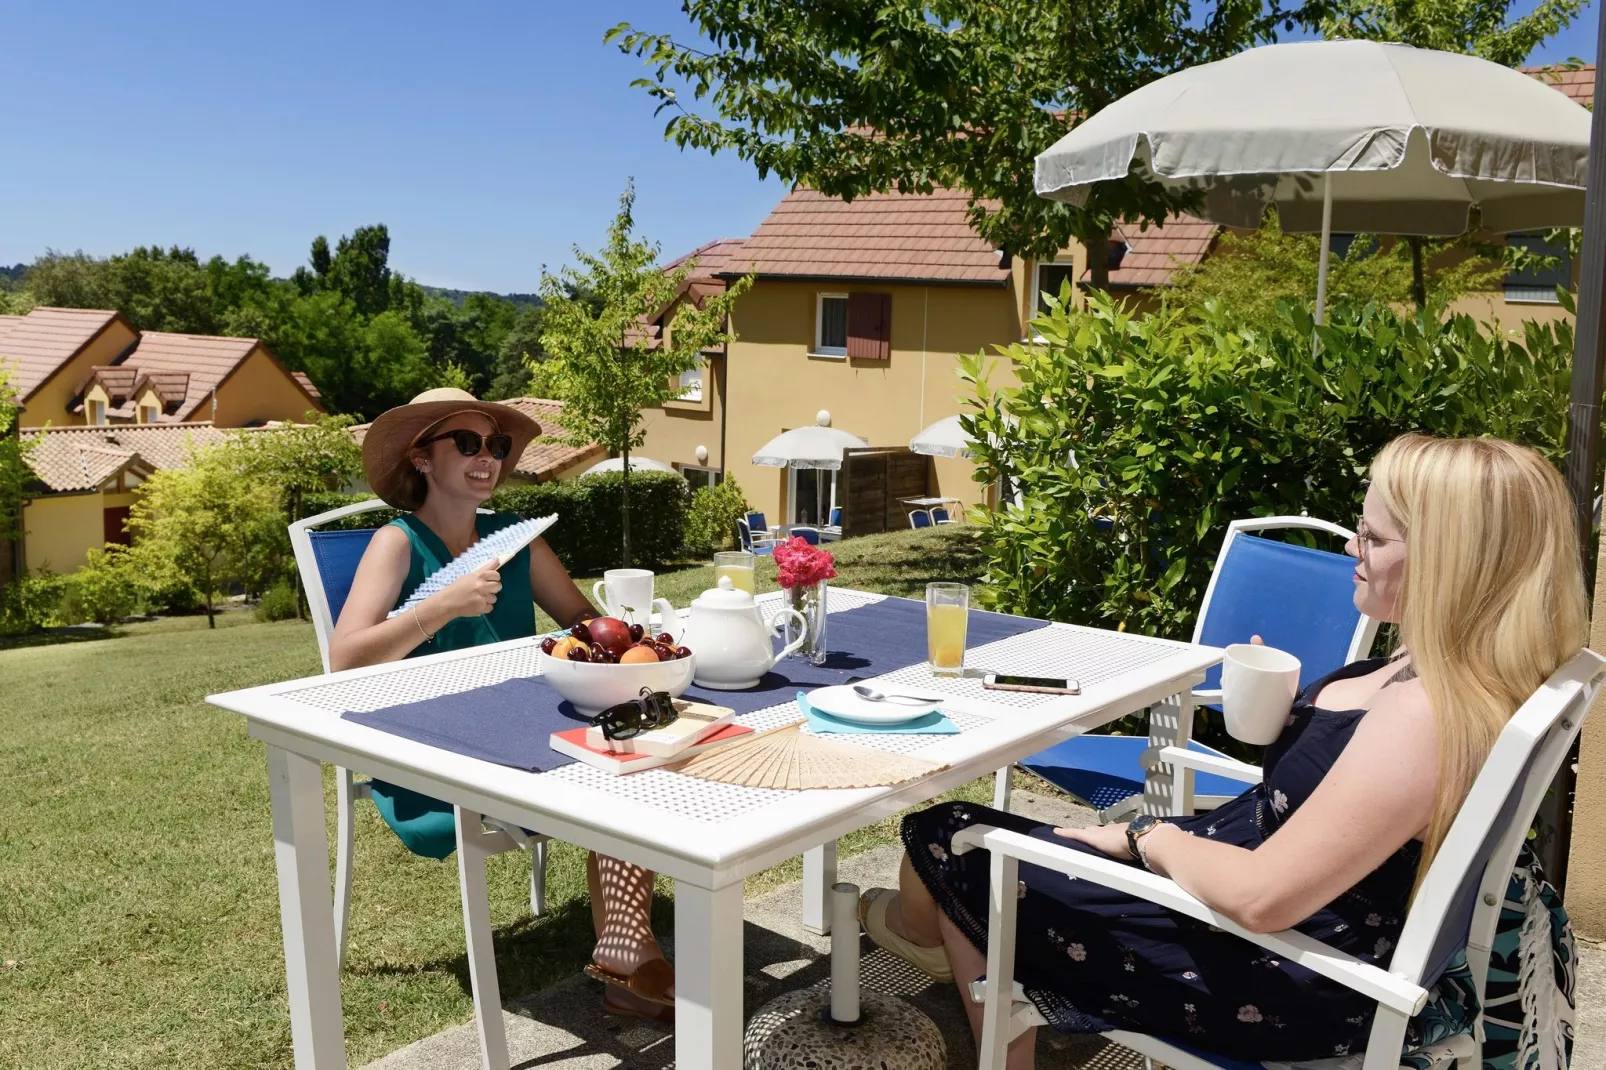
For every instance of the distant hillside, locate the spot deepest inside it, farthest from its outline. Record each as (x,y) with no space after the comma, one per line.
(14,273)
(457,296)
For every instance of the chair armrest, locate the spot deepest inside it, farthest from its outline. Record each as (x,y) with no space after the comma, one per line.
(1392,991)
(1181,757)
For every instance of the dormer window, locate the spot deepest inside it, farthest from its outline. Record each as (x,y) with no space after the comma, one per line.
(96,411)
(148,414)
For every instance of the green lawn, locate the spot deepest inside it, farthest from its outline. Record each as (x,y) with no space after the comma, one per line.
(138,908)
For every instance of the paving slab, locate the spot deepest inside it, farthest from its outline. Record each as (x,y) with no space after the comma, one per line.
(562,1026)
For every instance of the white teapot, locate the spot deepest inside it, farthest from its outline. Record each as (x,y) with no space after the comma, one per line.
(727,632)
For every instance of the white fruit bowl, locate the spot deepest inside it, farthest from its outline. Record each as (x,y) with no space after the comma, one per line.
(593,687)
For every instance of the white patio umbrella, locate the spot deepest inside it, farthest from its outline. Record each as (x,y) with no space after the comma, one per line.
(637,464)
(816,446)
(945,438)
(1356,136)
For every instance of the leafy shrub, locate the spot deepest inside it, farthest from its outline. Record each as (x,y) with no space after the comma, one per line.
(30,603)
(1168,426)
(711,517)
(168,594)
(278,603)
(587,535)
(105,589)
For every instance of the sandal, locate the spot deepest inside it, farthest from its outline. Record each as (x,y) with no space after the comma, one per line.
(660,1014)
(650,981)
(932,961)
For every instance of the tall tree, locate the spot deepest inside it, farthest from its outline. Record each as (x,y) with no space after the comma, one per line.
(14,475)
(608,361)
(852,98)
(361,269)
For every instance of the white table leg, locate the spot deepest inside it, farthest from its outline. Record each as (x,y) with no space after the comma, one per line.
(1003,786)
(301,853)
(1170,725)
(819,873)
(708,977)
(471,854)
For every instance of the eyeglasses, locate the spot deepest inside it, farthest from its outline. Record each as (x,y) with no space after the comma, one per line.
(469,443)
(651,709)
(1364,537)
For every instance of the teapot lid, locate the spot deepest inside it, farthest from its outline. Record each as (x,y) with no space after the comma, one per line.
(725,596)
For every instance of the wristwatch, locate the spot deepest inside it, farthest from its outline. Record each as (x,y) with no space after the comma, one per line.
(1138,828)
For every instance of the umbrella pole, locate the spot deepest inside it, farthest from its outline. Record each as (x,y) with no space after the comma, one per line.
(1322,257)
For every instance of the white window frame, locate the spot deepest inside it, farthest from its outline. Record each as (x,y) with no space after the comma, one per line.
(692,391)
(96,413)
(820,348)
(716,476)
(791,495)
(1060,260)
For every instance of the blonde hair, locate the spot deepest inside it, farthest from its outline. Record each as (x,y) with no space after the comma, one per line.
(1492,597)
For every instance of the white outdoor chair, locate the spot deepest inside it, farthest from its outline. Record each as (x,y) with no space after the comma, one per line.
(1298,599)
(1457,907)
(327,561)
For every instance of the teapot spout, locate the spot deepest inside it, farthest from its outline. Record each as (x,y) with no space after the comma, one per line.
(670,619)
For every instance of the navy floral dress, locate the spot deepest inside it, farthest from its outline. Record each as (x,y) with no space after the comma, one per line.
(1093,959)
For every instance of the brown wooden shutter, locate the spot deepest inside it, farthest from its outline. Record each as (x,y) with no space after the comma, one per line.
(870,326)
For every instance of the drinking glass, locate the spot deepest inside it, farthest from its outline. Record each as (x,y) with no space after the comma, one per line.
(947,614)
(738,565)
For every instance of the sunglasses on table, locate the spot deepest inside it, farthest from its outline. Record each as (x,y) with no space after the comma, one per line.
(469,443)
(651,709)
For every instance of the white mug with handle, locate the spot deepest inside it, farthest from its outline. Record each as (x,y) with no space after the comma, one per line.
(627,593)
(1258,687)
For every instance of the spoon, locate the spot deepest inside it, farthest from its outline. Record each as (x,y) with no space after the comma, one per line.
(870,694)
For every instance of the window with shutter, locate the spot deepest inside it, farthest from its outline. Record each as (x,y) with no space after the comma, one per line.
(870,326)
(831,325)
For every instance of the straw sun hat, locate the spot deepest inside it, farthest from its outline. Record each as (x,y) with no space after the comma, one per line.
(393,435)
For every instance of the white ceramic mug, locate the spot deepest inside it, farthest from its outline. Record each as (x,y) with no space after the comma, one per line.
(1258,687)
(627,593)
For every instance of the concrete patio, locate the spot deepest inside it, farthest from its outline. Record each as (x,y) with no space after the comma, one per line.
(562,1027)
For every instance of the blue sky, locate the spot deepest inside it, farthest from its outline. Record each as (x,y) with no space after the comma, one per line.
(490,137)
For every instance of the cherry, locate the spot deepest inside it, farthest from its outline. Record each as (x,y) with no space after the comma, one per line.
(666,638)
(547,645)
(579,653)
(636,632)
(582,633)
(682,652)
(665,653)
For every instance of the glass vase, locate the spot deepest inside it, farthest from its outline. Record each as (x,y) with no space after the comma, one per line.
(810,602)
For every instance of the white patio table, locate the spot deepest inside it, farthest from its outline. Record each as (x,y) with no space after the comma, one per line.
(706,836)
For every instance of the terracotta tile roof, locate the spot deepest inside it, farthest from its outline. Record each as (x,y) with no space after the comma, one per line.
(540,459)
(306,384)
(82,458)
(206,360)
(1579,85)
(171,387)
(1153,254)
(34,346)
(877,236)
(116,379)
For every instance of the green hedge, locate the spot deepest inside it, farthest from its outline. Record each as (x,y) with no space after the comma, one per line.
(586,537)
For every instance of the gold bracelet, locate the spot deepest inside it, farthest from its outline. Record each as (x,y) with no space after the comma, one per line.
(427,637)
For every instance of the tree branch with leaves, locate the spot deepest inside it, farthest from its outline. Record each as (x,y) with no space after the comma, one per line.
(618,337)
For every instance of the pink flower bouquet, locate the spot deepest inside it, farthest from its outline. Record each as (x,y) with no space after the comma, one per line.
(803,565)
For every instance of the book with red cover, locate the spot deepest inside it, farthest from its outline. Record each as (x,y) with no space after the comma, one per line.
(573,743)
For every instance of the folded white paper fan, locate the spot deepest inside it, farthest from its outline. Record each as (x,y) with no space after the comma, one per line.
(499,546)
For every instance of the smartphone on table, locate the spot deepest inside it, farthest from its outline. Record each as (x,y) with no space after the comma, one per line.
(1042,685)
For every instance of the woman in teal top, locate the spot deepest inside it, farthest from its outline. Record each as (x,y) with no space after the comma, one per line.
(439,458)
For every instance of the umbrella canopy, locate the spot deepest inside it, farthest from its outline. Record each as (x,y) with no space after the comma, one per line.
(1411,139)
(945,438)
(808,447)
(637,464)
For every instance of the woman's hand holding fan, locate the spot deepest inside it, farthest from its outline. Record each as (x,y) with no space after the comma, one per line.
(472,595)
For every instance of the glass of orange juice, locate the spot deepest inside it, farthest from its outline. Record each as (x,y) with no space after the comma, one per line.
(947,614)
(738,565)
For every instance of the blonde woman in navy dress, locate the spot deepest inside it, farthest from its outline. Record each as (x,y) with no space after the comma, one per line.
(1467,545)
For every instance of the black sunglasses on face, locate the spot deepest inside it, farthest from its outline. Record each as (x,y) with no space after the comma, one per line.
(651,709)
(469,443)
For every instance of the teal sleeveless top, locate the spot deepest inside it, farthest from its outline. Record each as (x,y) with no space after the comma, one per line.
(427,826)
(513,616)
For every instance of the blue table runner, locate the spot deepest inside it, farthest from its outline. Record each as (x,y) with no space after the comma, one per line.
(511,723)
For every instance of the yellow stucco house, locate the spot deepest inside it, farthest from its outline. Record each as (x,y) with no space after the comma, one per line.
(108,405)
